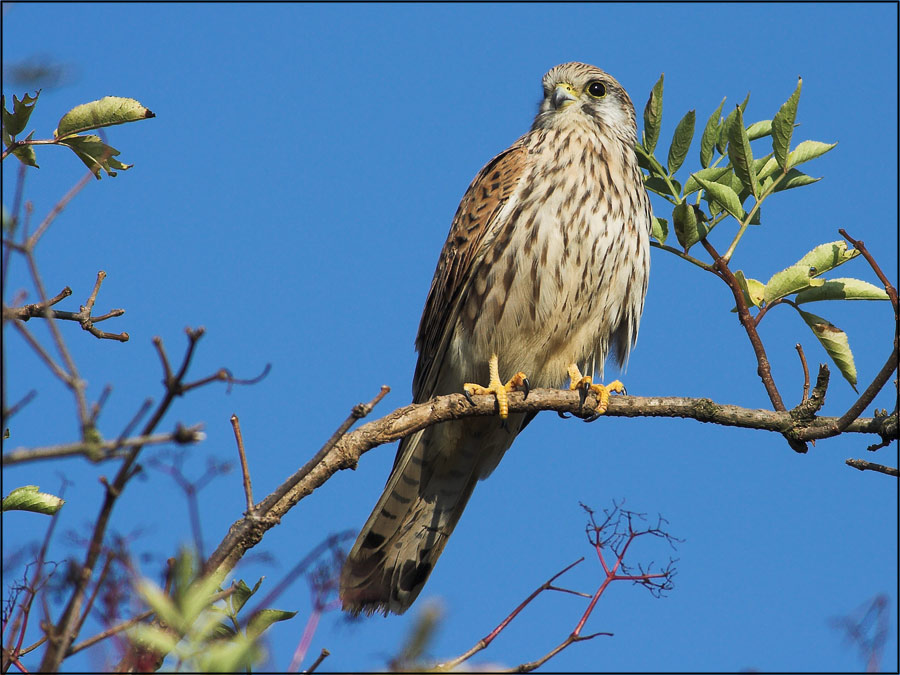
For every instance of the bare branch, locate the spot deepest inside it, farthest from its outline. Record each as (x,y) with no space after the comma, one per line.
(321,657)
(864,465)
(106,450)
(764,369)
(125,625)
(805,395)
(245,471)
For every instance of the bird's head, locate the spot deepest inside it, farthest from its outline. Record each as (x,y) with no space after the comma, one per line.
(574,91)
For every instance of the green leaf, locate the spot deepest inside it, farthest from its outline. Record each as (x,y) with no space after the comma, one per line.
(14,123)
(265,618)
(842,289)
(162,604)
(30,498)
(681,142)
(106,112)
(759,129)
(753,290)
(783,127)
(726,197)
(240,595)
(795,178)
(712,174)
(653,115)
(659,229)
(153,638)
(199,595)
(741,155)
(764,168)
(710,134)
(791,280)
(835,342)
(661,187)
(95,154)
(725,128)
(825,257)
(806,151)
(802,274)
(25,153)
(689,228)
(237,655)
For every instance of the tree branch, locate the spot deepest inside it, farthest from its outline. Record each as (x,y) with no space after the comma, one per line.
(106,450)
(864,465)
(345,453)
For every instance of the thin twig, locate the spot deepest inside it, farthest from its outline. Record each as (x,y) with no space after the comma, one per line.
(105,450)
(888,286)
(73,380)
(245,471)
(321,657)
(799,349)
(249,529)
(61,634)
(764,369)
(40,351)
(485,642)
(97,406)
(57,209)
(14,218)
(296,571)
(864,465)
(16,407)
(26,312)
(109,632)
(104,571)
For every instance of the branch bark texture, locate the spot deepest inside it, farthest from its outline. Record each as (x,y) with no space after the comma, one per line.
(345,453)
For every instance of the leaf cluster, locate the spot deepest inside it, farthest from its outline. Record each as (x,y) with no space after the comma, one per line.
(732,182)
(89,148)
(197,622)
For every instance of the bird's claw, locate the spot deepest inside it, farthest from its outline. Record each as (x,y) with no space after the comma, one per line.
(497,388)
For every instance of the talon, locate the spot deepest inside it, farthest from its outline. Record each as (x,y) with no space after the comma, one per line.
(582,394)
(468,396)
(564,415)
(527,385)
(497,388)
(584,384)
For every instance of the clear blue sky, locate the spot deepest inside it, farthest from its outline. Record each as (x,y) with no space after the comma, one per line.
(292,196)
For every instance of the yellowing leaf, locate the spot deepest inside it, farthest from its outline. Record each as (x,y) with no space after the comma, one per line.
(842,289)
(835,342)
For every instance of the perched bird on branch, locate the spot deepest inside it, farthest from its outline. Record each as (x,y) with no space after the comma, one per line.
(545,269)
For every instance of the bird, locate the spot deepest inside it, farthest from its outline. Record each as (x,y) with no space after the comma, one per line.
(544,273)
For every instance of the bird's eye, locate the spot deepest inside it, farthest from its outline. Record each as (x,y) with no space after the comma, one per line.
(597,89)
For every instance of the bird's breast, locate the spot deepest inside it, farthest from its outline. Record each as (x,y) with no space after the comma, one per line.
(555,282)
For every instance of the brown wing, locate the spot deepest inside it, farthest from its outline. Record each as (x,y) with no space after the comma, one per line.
(484,199)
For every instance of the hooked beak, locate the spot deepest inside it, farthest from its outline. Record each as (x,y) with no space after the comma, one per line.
(563,95)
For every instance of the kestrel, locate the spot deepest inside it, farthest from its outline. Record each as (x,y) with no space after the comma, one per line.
(545,269)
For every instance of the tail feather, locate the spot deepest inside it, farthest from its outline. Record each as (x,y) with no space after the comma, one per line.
(433,477)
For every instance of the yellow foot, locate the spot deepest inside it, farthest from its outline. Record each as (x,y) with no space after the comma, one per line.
(584,383)
(497,388)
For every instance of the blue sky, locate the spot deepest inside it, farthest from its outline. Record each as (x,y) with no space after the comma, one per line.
(292,196)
